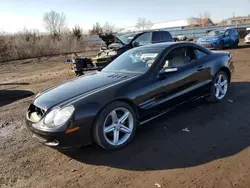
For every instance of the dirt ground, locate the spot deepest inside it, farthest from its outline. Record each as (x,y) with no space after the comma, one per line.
(214,154)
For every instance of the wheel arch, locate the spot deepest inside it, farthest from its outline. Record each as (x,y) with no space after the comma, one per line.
(227,71)
(125,100)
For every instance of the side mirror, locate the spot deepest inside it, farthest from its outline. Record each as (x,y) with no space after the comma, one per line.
(166,70)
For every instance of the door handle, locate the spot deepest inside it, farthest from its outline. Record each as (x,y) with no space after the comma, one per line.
(200,68)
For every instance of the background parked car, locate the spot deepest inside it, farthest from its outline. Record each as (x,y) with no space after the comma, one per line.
(118,44)
(220,38)
(247,37)
(181,38)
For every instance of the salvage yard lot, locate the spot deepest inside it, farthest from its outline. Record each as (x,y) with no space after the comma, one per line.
(215,153)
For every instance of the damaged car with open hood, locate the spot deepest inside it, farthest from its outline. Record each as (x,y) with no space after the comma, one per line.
(115,45)
(118,44)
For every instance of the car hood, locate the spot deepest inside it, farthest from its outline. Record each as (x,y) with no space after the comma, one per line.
(209,38)
(110,39)
(78,87)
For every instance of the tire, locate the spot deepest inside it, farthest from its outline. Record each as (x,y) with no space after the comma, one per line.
(220,45)
(106,122)
(236,44)
(214,96)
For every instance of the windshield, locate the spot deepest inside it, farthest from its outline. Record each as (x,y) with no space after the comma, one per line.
(126,38)
(216,33)
(134,61)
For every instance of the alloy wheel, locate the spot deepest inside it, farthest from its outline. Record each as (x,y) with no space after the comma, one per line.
(221,86)
(118,126)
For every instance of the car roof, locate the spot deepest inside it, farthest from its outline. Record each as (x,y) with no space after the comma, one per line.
(165,45)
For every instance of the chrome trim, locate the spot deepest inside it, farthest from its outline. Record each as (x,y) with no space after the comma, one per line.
(166,111)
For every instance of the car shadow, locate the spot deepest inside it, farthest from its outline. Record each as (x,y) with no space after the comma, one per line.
(194,134)
(14,83)
(10,96)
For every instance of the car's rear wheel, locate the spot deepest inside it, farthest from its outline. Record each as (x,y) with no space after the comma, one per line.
(220,45)
(115,126)
(219,88)
(236,44)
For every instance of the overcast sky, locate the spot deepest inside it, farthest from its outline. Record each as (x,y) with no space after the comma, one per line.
(17,14)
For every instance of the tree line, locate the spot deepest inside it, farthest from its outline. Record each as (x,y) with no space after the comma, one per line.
(55,23)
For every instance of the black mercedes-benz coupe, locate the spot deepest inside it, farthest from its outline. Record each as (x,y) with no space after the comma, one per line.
(106,107)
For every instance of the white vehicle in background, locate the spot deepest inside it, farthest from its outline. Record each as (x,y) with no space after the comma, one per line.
(247,37)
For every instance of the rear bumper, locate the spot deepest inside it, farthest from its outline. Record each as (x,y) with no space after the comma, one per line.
(61,139)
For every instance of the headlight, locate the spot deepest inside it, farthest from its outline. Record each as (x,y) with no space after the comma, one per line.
(58,117)
(50,116)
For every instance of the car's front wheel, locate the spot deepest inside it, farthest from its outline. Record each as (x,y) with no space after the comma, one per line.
(115,126)
(219,87)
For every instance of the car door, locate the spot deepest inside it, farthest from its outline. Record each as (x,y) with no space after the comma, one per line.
(233,37)
(189,81)
(227,38)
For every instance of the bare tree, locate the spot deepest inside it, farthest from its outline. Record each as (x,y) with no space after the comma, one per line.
(143,24)
(54,23)
(77,32)
(96,29)
(108,28)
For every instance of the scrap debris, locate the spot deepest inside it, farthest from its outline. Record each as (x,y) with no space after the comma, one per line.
(157,185)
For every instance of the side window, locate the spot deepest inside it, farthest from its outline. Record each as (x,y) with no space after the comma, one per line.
(166,36)
(199,54)
(179,57)
(235,32)
(227,33)
(156,37)
(231,32)
(143,39)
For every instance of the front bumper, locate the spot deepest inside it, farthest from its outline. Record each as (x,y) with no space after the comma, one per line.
(61,139)
(208,44)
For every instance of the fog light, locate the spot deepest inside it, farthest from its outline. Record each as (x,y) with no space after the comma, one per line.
(52,143)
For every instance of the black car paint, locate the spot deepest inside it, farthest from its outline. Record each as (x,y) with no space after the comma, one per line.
(149,94)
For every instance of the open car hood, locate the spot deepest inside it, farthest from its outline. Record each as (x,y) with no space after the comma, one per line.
(110,38)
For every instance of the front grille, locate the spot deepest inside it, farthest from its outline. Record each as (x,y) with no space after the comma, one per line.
(35,113)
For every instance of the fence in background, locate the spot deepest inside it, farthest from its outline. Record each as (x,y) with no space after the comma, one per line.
(199,32)
(190,33)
